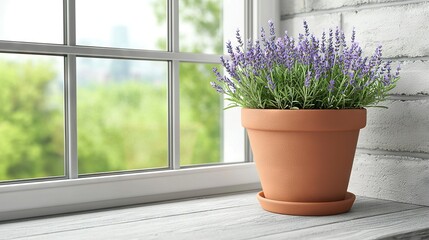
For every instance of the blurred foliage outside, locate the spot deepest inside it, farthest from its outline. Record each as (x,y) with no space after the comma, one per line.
(200,106)
(121,125)
(31,122)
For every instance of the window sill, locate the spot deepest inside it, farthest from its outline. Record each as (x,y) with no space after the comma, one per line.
(227,216)
(61,196)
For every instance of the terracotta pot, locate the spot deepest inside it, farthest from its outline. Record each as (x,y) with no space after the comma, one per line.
(304,157)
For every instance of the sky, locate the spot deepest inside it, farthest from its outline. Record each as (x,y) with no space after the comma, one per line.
(42,21)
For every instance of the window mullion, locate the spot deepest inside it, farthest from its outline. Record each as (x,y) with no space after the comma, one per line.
(248,33)
(70,92)
(173,86)
(173,26)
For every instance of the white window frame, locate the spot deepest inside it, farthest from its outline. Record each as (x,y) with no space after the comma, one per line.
(37,198)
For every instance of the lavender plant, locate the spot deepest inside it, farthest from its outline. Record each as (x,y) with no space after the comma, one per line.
(312,73)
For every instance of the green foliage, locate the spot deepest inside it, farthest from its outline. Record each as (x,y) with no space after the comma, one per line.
(200,109)
(31,122)
(122,126)
(203,18)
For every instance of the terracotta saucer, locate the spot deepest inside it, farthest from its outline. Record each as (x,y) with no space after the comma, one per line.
(307,208)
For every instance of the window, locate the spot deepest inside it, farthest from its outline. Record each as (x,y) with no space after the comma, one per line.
(122,115)
(122,24)
(25,20)
(115,94)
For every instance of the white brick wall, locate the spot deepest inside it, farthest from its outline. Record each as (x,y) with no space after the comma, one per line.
(404,126)
(330,4)
(392,160)
(403,30)
(398,178)
(414,78)
(292,6)
(375,26)
(317,24)
(289,7)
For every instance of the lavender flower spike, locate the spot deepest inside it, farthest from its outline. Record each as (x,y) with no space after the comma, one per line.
(218,88)
(271,84)
(263,37)
(272,29)
(331,85)
(217,73)
(307,79)
(353,35)
(238,37)
(397,70)
(307,31)
(229,47)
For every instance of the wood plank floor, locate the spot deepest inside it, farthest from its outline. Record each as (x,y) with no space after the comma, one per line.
(233,216)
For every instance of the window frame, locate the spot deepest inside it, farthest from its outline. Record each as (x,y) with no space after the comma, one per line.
(29,198)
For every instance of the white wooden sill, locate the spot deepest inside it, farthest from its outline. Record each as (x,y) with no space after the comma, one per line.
(44,198)
(229,216)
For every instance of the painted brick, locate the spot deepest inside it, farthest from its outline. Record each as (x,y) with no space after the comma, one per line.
(288,7)
(395,27)
(397,178)
(414,78)
(402,127)
(317,23)
(402,30)
(329,4)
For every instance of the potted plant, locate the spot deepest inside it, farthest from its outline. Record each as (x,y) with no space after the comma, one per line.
(303,104)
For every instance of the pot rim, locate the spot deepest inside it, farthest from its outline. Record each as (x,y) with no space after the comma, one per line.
(304,119)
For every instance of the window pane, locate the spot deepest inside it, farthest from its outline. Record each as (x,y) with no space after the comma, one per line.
(200,24)
(122,115)
(122,23)
(31,21)
(200,115)
(31,116)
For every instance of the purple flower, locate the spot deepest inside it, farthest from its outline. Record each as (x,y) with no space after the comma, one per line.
(272,29)
(217,73)
(386,80)
(337,39)
(307,79)
(238,36)
(307,31)
(271,83)
(331,85)
(263,37)
(230,84)
(322,47)
(397,70)
(218,88)
(229,48)
(319,61)
(352,78)
(343,39)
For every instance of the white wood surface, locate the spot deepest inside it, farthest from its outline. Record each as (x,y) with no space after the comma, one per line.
(235,216)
